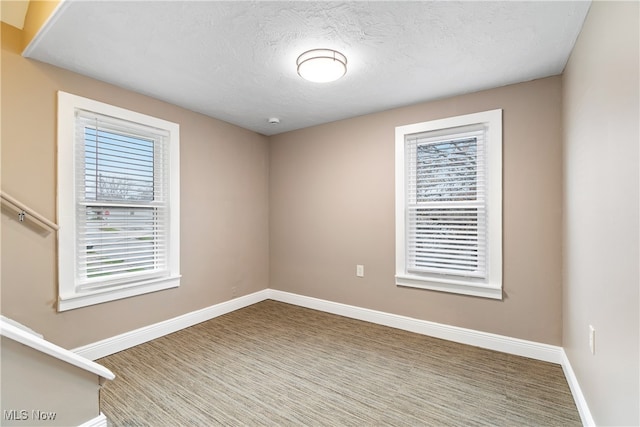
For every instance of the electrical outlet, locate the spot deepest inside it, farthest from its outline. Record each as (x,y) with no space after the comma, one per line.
(360,270)
(592,339)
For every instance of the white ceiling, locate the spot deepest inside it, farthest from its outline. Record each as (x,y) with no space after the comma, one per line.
(235,60)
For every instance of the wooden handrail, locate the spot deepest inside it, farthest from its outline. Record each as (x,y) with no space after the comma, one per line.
(24,210)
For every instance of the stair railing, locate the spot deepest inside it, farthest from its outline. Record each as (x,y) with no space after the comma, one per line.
(25,212)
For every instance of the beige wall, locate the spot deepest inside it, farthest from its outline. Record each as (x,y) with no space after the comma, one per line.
(38,13)
(34,381)
(329,205)
(601,139)
(224,206)
(332,207)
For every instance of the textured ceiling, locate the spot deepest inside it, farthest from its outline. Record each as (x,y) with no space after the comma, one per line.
(235,60)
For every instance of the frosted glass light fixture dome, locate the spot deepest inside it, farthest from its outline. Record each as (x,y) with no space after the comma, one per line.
(321,65)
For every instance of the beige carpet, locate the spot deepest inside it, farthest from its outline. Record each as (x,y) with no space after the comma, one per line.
(281,365)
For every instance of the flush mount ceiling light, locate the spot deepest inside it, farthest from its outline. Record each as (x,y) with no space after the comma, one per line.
(321,65)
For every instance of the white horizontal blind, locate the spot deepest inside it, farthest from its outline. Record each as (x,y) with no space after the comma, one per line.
(122,201)
(446,202)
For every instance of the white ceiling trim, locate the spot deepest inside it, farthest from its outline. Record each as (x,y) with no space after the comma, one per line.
(44,29)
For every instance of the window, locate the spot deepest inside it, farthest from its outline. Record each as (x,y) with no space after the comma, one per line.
(118,203)
(449,205)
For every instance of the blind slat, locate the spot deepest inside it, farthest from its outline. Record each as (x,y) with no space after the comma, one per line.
(446,214)
(122,229)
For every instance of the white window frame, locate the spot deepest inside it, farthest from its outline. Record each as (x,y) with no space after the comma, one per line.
(70,296)
(489,286)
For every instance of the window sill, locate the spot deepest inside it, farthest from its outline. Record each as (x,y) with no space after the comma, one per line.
(451,286)
(86,298)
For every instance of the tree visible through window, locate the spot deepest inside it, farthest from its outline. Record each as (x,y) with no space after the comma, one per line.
(447,170)
(118,192)
(447,210)
(446,186)
(119,237)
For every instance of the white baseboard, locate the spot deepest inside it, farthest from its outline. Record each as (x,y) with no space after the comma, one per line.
(516,346)
(138,336)
(576,391)
(99,421)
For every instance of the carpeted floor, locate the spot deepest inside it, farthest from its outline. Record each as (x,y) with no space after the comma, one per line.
(280,365)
